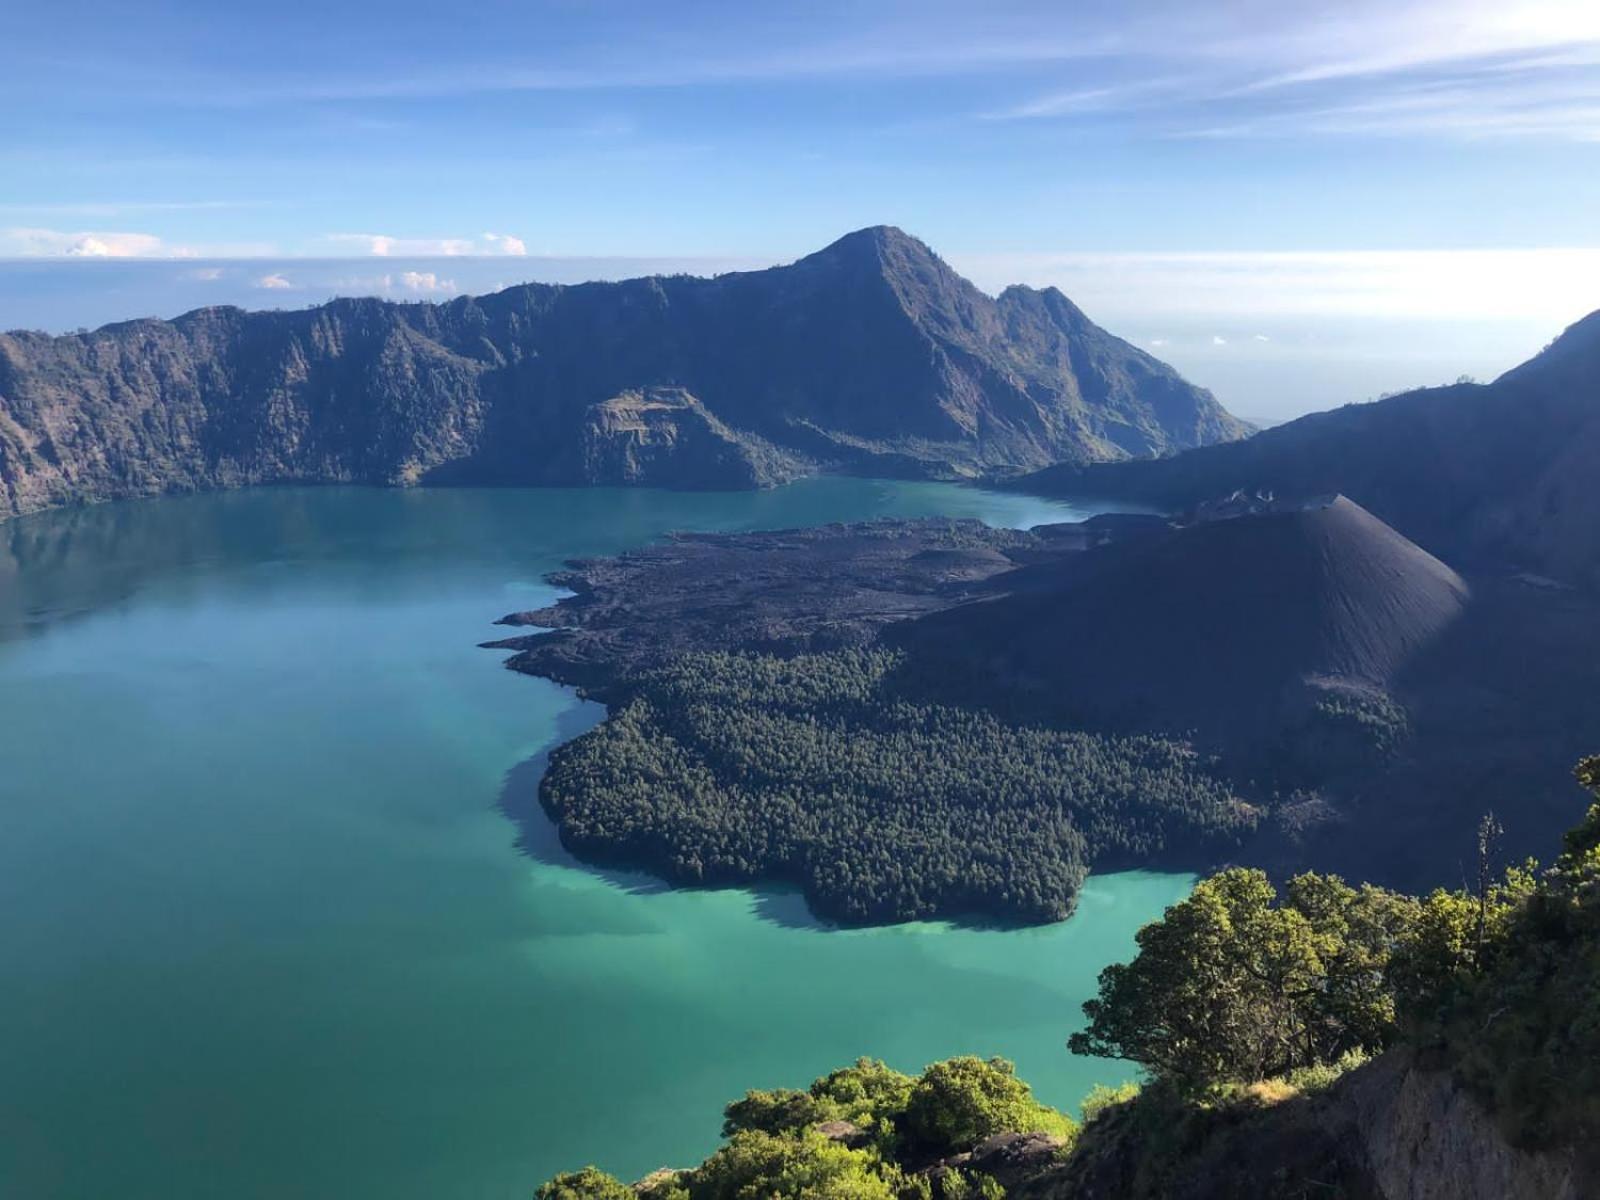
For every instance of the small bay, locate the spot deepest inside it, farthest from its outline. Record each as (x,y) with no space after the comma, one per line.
(267,929)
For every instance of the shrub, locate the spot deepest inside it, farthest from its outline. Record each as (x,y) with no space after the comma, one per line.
(761,1166)
(779,1111)
(957,1103)
(1101,1097)
(590,1183)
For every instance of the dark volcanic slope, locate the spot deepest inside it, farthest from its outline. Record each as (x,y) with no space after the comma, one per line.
(788,591)
(1216,627)
(870,355)
(1503,472)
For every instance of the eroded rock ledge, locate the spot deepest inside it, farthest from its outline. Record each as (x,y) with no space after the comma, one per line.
(1391,1130)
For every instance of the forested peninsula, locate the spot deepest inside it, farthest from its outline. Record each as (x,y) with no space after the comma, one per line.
(919,719)
(759,733)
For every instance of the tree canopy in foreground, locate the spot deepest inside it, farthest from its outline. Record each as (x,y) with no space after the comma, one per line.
(864,1132)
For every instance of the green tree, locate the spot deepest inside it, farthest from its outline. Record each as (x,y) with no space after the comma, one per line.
(866,1092)
(762,1166)
(591,1183)
(1585,837)
(781,1110)
(1207,998)
(1232,986)
(1437,960)
(1101,1098)
(1357,931)
(957,1103)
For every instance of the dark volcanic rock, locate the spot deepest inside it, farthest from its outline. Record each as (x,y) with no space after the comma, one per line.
(787,591)
(1013,1158)
(871,356)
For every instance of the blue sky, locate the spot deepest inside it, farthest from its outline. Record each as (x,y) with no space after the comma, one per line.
(1229,181)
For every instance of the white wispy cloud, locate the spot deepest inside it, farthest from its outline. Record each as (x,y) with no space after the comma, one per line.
(204,274)
(1217,340)
(425,281)
(1494,105)
(1436,68)
(402,283)
(505,243)
(30,242)
(1074,102)
(1364,38)
(382,245)
(39,242)
(899,43)
(274,282)
(1131,95)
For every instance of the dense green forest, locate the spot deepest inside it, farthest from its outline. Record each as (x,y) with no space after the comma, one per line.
(1242,1003)
(812,770)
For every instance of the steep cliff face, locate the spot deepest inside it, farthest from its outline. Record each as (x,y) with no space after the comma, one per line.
(870,355)
(1387,1131)
(668,438)
(1426,1139)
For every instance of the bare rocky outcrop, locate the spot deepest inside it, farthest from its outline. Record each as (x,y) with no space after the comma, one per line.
(1391,1130)
(1013,1158)
(1425,1138)
(667,437)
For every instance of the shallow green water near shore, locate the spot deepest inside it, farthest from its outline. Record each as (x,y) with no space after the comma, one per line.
(267,930)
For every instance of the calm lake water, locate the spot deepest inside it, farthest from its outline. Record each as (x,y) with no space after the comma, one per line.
(266,929)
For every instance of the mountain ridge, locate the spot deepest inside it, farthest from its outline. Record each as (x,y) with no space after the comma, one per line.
(1495,474)
(871,355)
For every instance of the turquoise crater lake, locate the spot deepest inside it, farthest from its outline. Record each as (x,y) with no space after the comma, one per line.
(265,927)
